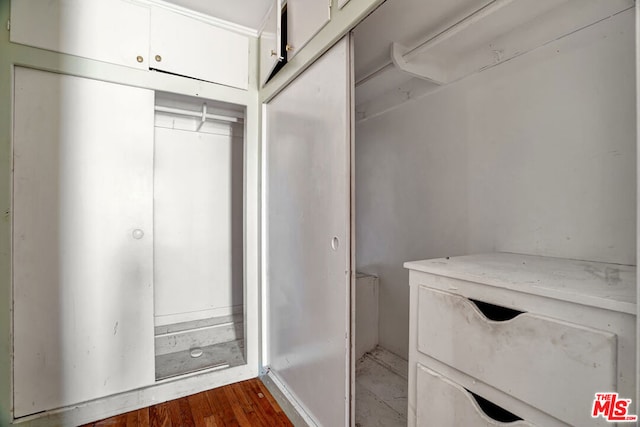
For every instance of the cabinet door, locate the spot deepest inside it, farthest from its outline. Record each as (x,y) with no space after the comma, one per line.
(193,48)
(114,31)
(82,240)
(270,38)
(304,19)
(308,264)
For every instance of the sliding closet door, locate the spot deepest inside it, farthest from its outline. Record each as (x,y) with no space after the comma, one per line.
(308,237)
(82,240)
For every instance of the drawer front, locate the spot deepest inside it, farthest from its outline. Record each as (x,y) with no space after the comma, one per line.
(443,403)
(554,366)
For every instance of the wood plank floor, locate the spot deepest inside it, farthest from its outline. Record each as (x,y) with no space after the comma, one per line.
(247,403)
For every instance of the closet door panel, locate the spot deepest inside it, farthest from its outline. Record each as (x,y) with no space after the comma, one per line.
(308,237)
(305,18)
(114,31)
(82,240)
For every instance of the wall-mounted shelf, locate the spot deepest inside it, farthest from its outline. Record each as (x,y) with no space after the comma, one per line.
(471,42)
(179,112)
(499,31)
(203,115)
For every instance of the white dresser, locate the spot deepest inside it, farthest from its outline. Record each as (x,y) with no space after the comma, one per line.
(534,337)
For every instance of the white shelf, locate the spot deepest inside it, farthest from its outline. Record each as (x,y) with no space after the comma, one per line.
(499,31)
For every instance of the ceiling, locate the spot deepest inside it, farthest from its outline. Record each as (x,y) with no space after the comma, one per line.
(248,13)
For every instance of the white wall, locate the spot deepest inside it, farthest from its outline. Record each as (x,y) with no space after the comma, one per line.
(536,155)
(197,219)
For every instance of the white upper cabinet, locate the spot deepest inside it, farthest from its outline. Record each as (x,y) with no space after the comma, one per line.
(270,40)
(112,31)
(304,19)
(190,47)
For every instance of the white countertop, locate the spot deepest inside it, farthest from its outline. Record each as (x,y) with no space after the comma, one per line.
(609,286)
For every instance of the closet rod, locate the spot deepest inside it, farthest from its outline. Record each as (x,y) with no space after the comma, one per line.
(433,40)
(198,114)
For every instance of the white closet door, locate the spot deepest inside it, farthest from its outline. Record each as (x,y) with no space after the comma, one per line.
(82,240)
(308,237)
(305,18)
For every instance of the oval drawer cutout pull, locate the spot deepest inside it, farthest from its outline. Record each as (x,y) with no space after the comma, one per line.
(494,312)
(494,411)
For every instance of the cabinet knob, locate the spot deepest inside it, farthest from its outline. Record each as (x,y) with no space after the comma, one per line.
(289,48)
(274,53)
(138,234)
(139,58)
(158,58)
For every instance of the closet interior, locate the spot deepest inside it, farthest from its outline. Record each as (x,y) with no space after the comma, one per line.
(481,127)
(198,223)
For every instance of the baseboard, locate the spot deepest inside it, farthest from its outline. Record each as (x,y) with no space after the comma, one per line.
(289,405)
(110,406)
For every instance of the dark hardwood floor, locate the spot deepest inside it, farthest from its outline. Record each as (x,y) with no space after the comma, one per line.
(247,403)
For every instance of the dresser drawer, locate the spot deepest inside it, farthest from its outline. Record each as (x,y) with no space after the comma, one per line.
(443,403)
(554,366)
